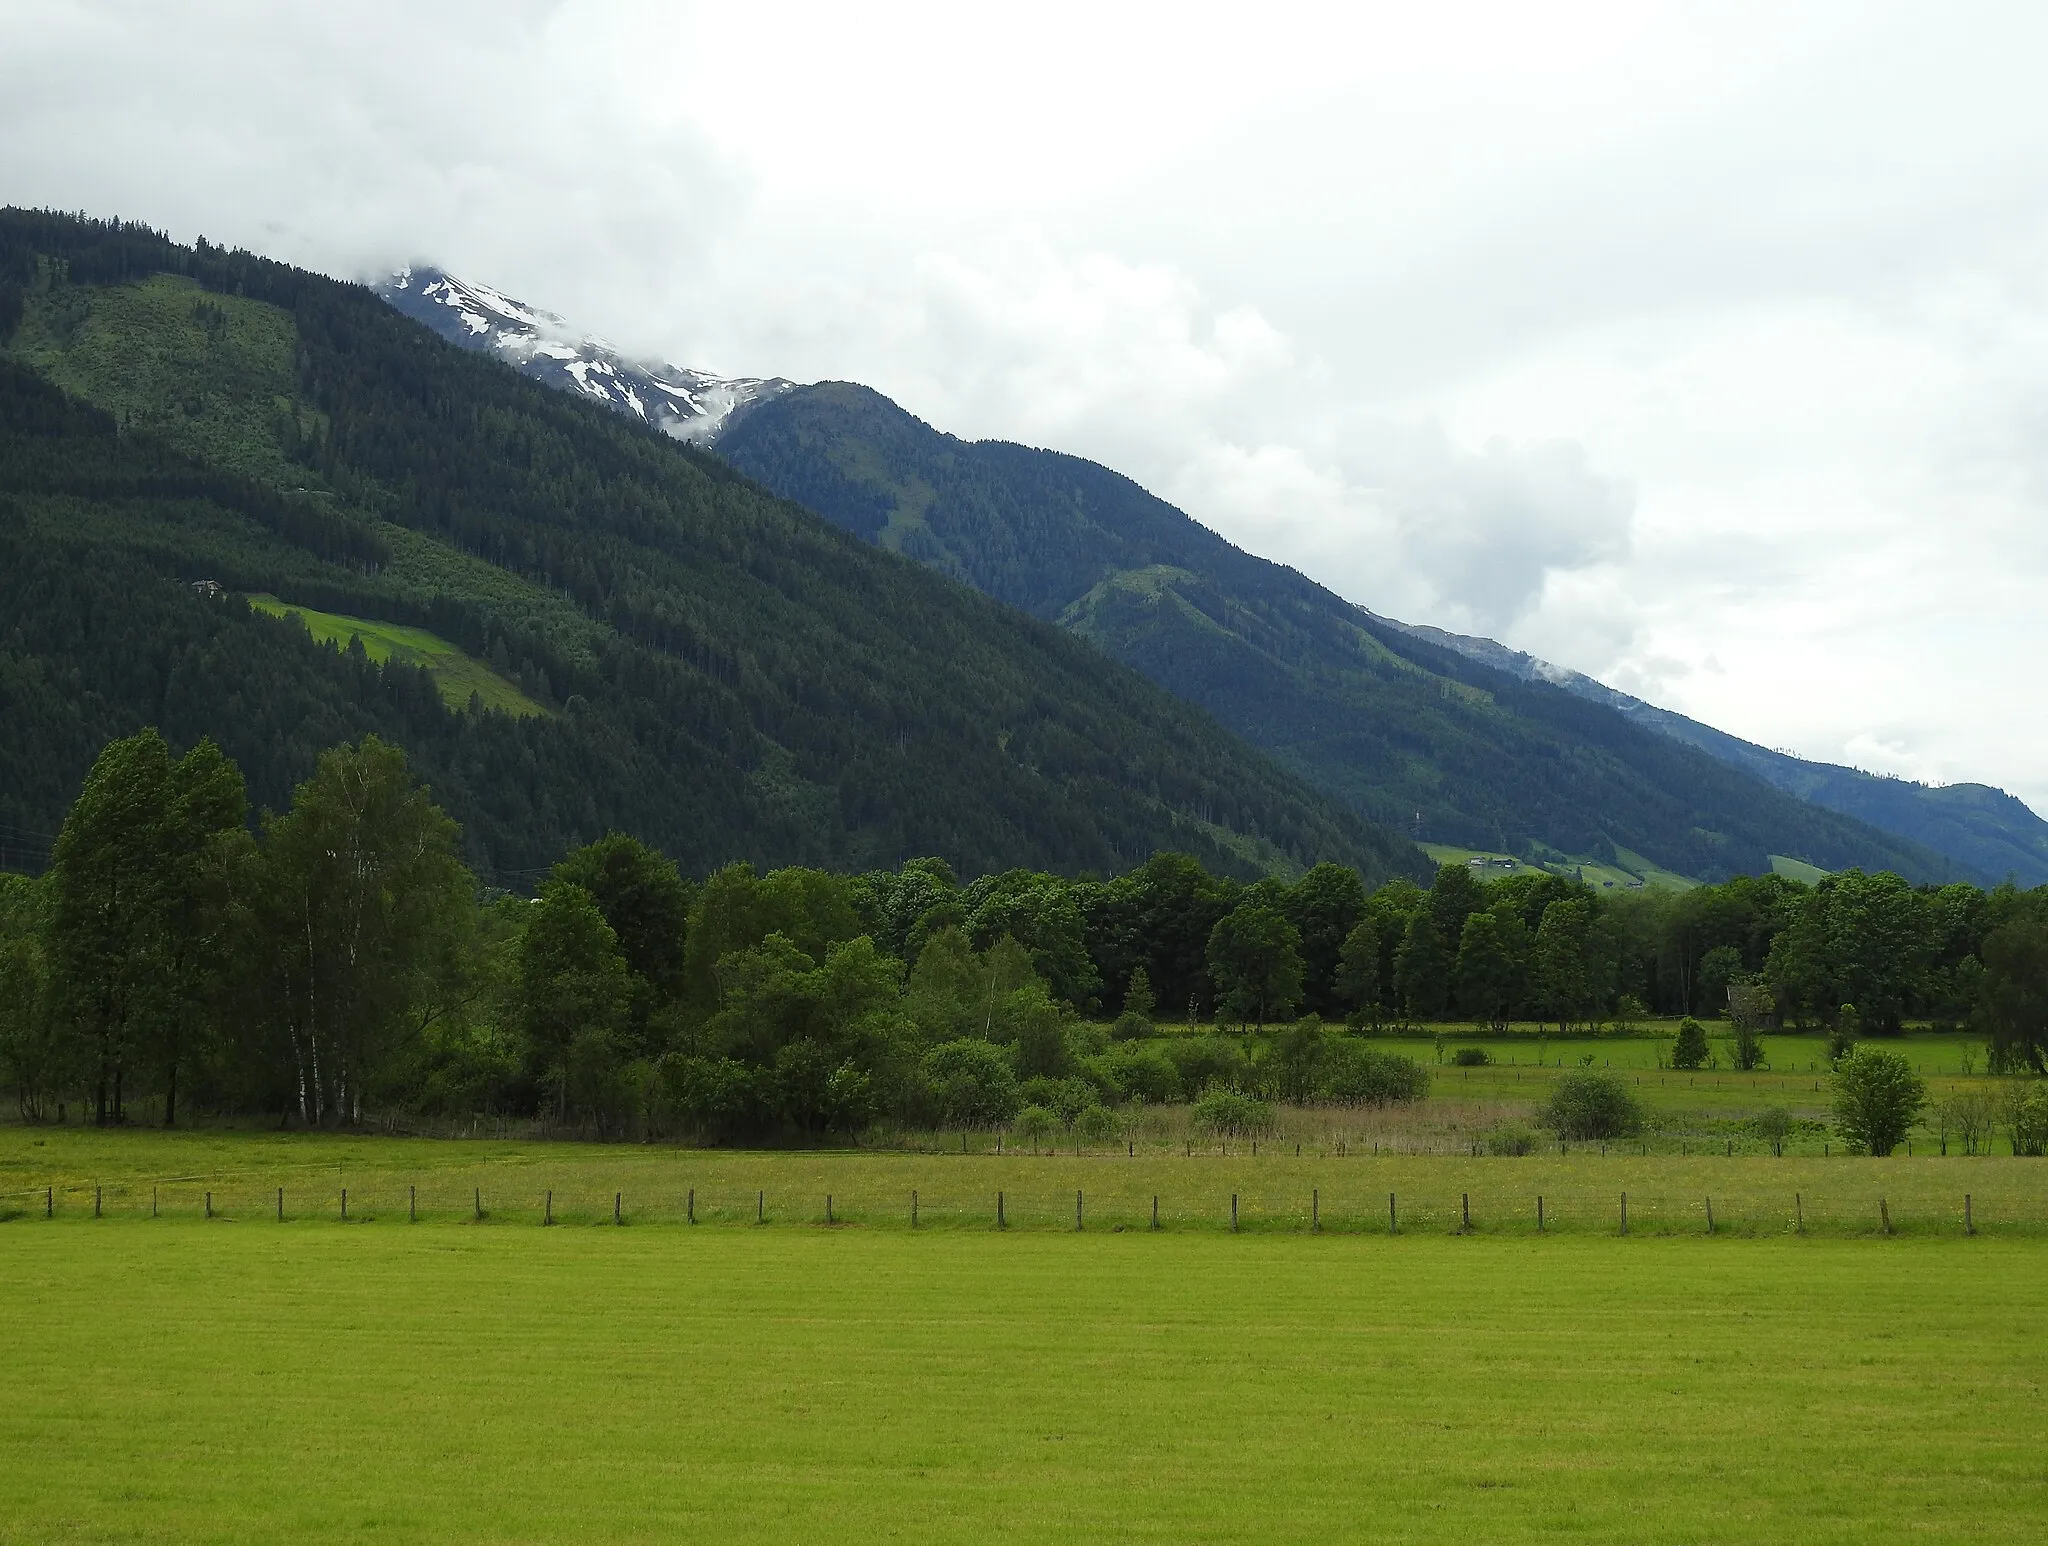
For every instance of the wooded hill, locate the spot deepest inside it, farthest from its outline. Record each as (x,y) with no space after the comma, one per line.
(1443,748)
(720,672)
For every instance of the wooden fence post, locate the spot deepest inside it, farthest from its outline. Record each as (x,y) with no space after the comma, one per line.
(828,1207)
(344,1202)
(1624,1212)
(1001,1222)
(1315,1210)
(549,1216)
(1233,1213)
(1969,1224)
(412,1204)
(152,1202)
(1798,1214)
(1393,1219)
(618,1208)
(913,1207)
(760,1207)
(1710,1215)
(280,1205)
(1155,1210)
(1884,1214)
(1539,1213)
(209,1205)
(1077,1210)
(49,1202)
(691,1206)
(1465,1212)
(96,1201)
(479,1200)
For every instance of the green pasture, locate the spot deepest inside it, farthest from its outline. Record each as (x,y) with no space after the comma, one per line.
(457,675)
(1290,1185)
(179,1381)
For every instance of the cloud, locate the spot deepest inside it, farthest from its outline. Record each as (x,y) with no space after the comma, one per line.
(1644,337)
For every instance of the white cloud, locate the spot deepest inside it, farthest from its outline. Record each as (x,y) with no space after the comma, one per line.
(1705,349)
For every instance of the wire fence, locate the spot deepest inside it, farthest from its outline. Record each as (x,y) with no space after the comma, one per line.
(1042,1204)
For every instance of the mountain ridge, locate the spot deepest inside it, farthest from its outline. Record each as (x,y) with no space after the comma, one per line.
(723,673)
(1996,832)
(1100,579)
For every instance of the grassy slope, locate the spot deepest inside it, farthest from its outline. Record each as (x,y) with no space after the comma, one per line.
(449,1383)
(456,674)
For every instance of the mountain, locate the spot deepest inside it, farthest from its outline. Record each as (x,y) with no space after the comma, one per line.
(212,464)
(687,404)
(1991,832)
(1407,731)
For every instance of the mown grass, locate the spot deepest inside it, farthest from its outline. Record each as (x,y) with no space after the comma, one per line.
(179,1381)
(455,673)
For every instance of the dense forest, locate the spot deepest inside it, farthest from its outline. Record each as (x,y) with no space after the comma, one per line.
(1416,736)
(721,673)
(337,962)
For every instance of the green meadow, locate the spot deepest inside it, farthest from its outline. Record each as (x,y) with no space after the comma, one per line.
(456,674)
(179,1380)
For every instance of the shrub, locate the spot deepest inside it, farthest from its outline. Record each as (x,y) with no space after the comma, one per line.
(972,1084)
(1510,1138)
(1096,1124)
(1066,1099)
(1471,1057)
(1206,1060)
(1877,1098)
(2027,1117)
(1971,1117)
(1228,1114)
(1689,1050)
(1773,1125)
(1360,1076)
(1130,1026)
(1588,1104)
(1131,1071)
(1035,1124)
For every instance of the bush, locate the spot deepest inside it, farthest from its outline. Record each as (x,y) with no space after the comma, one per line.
(972,1084)
(1130,1026)
(1588,1104)
(1877,1098)
(1130,1071)
(1035,1124)
(1510,1138)
(1066,1099)
(1360,1076)
(1689,1050)
(1096,1124)
(2027,1118)
(1205,1060)
(1228,1114)
(1773,1125)
(1471,1057)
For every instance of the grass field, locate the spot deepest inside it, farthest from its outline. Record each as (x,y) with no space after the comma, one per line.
(457,675)
(180,1381)
(140,1176)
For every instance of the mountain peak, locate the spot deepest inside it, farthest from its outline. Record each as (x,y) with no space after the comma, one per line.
(690,405)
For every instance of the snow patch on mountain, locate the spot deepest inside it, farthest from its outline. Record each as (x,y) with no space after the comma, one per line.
(690,405)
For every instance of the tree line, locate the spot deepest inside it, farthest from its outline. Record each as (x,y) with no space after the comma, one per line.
(336,961)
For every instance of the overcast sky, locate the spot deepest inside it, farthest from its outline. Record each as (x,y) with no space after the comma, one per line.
(1701,348)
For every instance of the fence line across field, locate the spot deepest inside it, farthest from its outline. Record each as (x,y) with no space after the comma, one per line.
(1317,1210)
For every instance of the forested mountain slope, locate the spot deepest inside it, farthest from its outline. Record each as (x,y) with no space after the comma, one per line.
(1411,734)
(720,672)
(1984,828)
